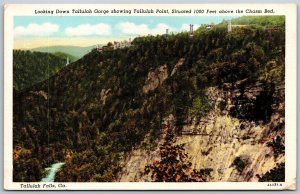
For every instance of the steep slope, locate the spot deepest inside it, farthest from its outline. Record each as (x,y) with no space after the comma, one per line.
(106,113)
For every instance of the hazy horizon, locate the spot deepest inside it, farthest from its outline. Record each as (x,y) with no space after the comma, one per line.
(33,32)
(55,46)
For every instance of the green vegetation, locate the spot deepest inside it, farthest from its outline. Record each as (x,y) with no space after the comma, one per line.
(266,21)
(199,106)
(94,111)
(33,67)
(65,56)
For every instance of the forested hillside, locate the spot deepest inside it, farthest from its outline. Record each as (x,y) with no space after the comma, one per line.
(95,113)
(65,56)
(33,67)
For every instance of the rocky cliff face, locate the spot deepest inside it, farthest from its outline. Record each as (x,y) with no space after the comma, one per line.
(155,78)
(229,141)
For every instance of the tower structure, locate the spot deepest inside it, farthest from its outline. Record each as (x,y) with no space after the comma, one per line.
(191,28)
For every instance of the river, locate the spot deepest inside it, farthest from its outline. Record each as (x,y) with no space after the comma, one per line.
(51,172)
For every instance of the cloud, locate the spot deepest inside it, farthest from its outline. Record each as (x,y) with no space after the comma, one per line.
(45,29)
(132,28)
(161,29)
(88,29)
(186,27)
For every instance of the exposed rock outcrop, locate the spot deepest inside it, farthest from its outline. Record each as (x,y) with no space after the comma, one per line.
(236,146)
(178,64)
(155,78)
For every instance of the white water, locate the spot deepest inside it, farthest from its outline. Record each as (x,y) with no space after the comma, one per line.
(52,172)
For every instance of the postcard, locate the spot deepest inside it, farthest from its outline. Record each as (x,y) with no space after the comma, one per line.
(150,97)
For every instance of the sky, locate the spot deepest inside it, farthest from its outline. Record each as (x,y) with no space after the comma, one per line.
(42,31)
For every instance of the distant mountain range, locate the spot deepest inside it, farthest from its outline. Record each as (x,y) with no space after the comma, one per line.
(75,51)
